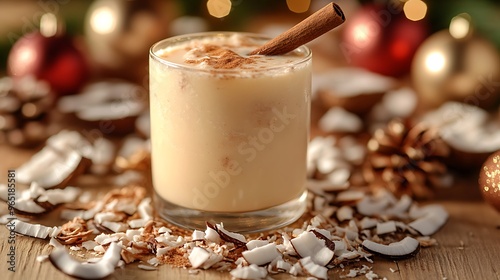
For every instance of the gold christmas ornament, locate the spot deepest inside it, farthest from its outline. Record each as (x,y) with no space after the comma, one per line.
(119,34)
(456,64)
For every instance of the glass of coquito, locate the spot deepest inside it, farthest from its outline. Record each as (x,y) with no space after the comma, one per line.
(229,131)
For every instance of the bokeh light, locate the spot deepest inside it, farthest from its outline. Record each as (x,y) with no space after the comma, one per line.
(460,26)
(435,62)
(298,6)
(103,20)
(219,8)
(415,10)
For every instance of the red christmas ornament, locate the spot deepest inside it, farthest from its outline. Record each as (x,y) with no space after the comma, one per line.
(381,39)
(49,56)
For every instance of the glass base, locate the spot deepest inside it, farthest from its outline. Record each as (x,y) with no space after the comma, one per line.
(242,222)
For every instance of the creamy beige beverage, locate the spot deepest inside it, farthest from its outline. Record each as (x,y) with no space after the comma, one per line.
(229,132)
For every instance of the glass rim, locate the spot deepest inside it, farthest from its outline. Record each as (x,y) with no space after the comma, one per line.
(186,37)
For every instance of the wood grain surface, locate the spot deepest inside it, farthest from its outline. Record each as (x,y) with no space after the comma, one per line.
(468,248)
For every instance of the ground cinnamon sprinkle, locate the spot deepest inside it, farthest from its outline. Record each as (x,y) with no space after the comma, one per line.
(220,58)
(175,258)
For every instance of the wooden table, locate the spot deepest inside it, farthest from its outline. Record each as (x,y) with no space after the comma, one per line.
(469,246)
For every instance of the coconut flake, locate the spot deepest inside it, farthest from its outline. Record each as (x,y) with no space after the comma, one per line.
(337,119)
(249,272)
(114,226)
(137,223)
(371,206)
(252,244)
(68,214)
(296,269)
(308,245)
(33,230)
(89,244)
(345,213)
(128,177)
(42,258)
(198,256)
(198,235)
(398,250)
(58,162)
(261,255)
(212,260)
(145,210)
(146,267)
(312,269)
(103,268)
(106,216)
(350,195)
(367,222)
(102,156)
(349,82)
(59,196)
(430,219)
(233,237)
(386,227)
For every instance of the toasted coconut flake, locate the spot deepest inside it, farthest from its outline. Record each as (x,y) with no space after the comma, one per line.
(103,268)
(249,272)
(133,154)
(261,255)
(405,248)
(74,232)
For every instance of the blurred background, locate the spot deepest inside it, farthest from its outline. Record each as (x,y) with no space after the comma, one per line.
(119,19)
(391,65)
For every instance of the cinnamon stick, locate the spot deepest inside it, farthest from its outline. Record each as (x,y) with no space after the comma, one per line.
(305,31)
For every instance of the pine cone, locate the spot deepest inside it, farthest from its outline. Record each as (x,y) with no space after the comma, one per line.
(406,160)
(24,107)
